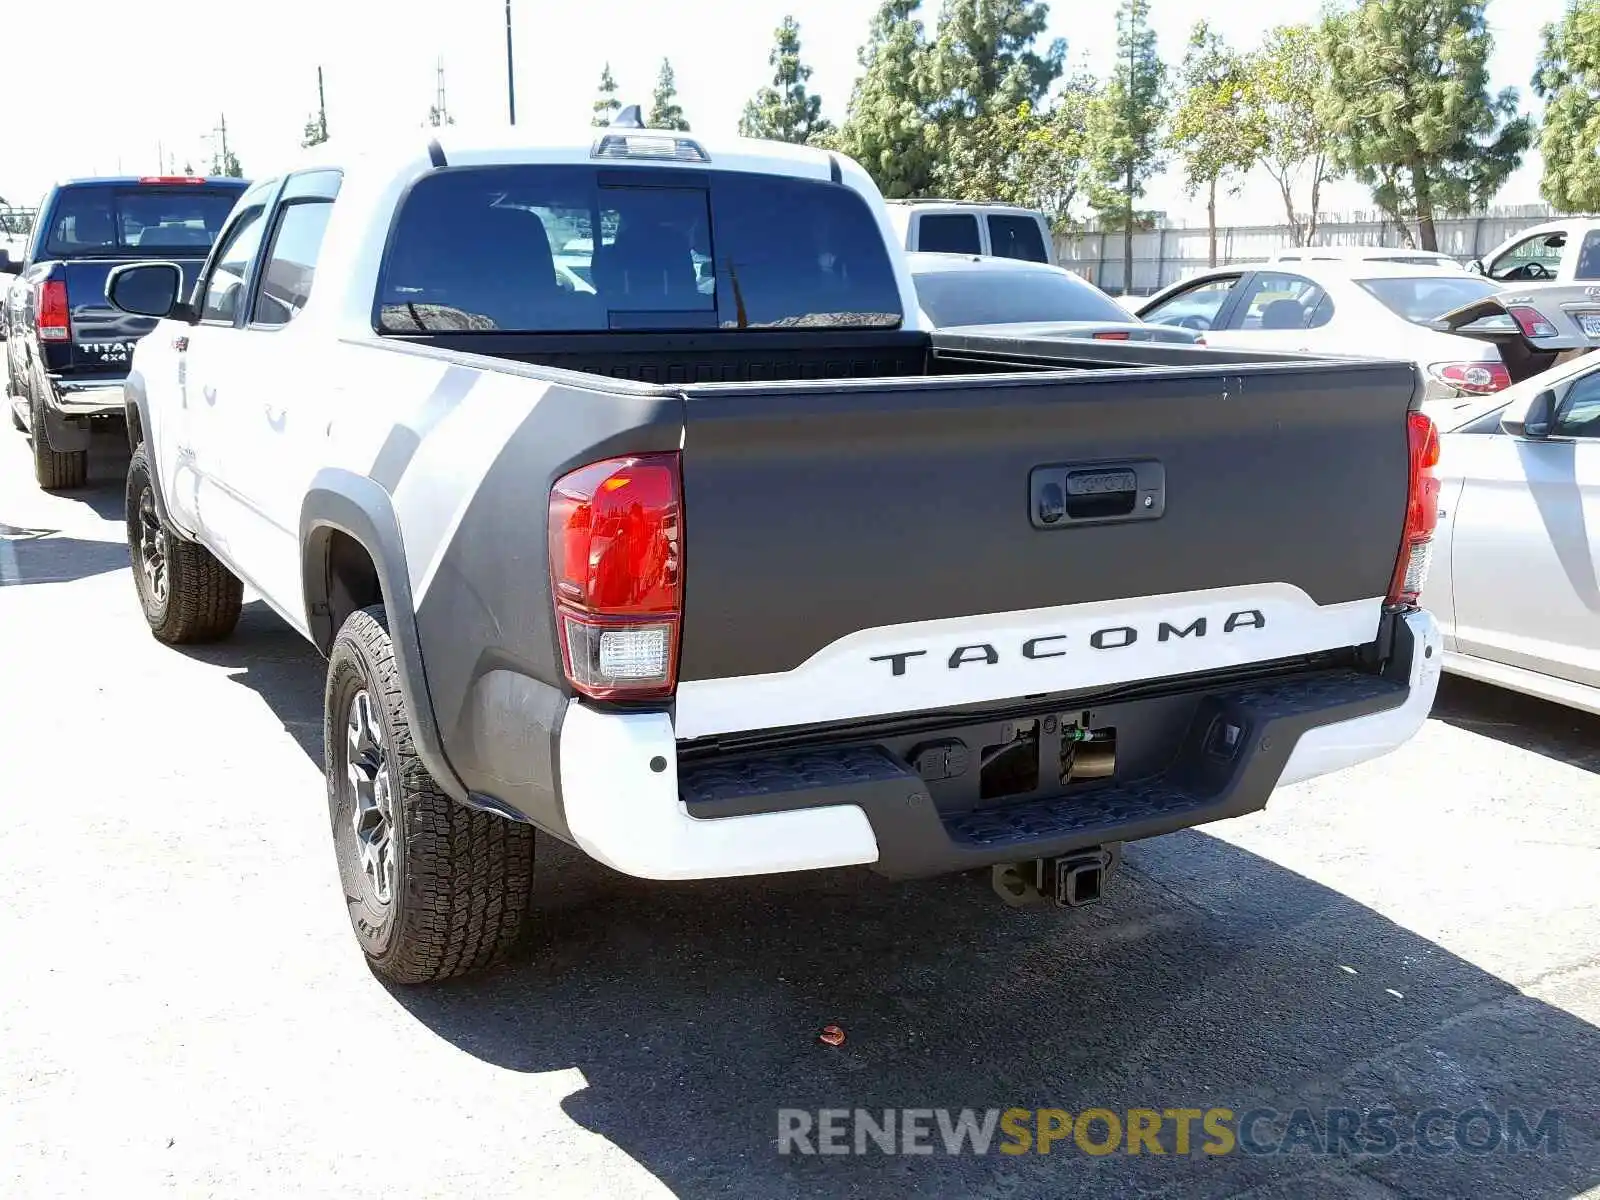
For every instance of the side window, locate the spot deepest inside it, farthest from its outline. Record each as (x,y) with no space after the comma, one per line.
(1017,237)
(949,233)
(1278,302)
(224,288)
(1589,256)
(1322,314)
(1193,308)
(1536,257)
(285,283)
(1579,413)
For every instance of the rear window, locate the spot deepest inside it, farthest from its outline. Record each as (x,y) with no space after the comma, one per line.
(1427,298)
(949,233)
(580,249)
(137,221)
(1017,237)
(999,297)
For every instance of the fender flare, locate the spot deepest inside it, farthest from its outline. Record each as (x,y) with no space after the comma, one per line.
(136,408)
(341,501)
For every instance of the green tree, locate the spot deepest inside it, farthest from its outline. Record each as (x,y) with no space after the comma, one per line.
(317,124)
(1411,111)
(1124,127)
(983,58)
(887,130)
(1286,120)
(785,111)
(606,105)
(1210,131)
(665,112)
(1033,156)
(1568,81)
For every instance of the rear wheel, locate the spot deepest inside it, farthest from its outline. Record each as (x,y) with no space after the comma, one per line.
(55,470)
(434,889)
(186,594)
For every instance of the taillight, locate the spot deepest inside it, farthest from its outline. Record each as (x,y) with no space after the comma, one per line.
(171,179)
(1472,378)
(1111,335)
(1422,513)
(616,574)
(55,321)
(1531,321)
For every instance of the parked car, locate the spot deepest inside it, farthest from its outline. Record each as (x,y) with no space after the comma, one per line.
(958,227)
(67,349)
(1384,310)
(758,579)
(1517,553)
(1367,254)
(1024,299)
(1562,250)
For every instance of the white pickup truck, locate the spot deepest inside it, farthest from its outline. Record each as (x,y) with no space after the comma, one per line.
(705,557)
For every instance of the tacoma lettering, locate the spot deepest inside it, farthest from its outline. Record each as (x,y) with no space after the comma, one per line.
(1050,645)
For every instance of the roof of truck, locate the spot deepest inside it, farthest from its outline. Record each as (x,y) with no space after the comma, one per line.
(492,145)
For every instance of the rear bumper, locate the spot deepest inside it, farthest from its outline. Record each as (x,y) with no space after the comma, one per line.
(630,804)
(100,396)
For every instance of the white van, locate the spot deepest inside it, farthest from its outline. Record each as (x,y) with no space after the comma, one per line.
(957,227)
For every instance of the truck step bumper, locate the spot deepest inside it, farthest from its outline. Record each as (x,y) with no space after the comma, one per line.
(631,805)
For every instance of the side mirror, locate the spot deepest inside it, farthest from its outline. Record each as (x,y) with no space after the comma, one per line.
(147,289)
(1476,267)
(1537,421)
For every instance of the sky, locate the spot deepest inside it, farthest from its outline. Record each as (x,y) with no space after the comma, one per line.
(138,79)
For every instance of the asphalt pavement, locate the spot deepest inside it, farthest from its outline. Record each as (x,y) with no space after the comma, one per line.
(184,1012)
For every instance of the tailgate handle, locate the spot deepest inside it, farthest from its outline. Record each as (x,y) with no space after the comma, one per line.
(1095,493)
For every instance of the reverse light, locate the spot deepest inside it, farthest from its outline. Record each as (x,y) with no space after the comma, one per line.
(54,321)
(616,575)
(1422,513)
(1472,378)
(1531,321)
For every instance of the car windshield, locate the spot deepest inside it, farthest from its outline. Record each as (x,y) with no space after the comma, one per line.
(1001,297)
(138,220)
(1426,298)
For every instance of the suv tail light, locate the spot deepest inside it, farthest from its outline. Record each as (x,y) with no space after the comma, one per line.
(171,179)
(616,575)
(1472,378)
(1422,514)
(55,320)
(1531,321)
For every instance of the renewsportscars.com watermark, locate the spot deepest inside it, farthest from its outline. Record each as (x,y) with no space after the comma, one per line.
(1177,1131)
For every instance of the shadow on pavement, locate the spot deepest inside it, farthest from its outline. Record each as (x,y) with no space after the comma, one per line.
(271,659)
(1209,977)
(36,556)
(1528,723)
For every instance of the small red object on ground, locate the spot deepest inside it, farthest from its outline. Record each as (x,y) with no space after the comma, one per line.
(831,1035)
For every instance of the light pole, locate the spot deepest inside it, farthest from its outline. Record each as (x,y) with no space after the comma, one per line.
(511,80)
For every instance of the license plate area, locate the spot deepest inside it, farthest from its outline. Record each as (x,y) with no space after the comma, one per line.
(1590,324)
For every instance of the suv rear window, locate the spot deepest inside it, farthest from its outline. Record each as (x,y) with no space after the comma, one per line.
(1017,237)
(137,221)
(544,249)
(948,233)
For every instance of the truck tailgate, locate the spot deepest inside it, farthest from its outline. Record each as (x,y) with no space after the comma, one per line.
(861,549)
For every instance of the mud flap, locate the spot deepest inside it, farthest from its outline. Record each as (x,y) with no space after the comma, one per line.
(65,434)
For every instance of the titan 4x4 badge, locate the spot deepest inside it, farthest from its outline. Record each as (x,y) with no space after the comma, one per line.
(108,352)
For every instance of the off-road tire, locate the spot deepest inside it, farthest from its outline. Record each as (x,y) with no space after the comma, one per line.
(463,879)
(203,597)
(55,470)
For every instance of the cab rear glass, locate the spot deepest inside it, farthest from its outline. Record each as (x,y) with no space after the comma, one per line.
(136,221)
(546,249)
